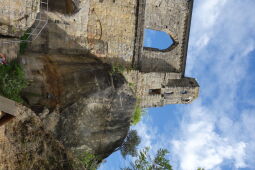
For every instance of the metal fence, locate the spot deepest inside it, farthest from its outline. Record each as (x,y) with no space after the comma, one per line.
(40,21)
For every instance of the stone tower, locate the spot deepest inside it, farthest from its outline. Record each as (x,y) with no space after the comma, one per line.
(160,76)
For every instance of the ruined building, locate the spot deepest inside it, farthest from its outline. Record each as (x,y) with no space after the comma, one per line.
(113,30)
(160,75)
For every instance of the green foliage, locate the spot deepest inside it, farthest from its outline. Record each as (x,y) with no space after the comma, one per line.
(12,81)
(131,85)
(23,43)
(117,68)
(89,161)
(129,147)
(145,162)
(138,113)
(200,169)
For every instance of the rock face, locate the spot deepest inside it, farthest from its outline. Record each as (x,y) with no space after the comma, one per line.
(95,107)
(98,123)
(16,16)
(89,111)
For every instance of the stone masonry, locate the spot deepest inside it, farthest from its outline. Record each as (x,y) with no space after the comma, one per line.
(16,16)
(113,31)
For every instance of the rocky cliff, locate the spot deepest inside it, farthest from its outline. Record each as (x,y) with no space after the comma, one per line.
(94,122)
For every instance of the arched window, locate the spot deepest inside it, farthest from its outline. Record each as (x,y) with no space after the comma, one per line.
(157,39)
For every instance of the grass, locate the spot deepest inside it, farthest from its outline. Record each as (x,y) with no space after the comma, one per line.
(138,113)
(12,81)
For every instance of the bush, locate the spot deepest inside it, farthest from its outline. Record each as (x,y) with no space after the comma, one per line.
(89,161)
(138,113)
(23,44)
(117,68)
(12,81)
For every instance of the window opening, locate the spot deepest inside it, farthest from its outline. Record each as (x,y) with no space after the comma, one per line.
(186,100)
(154,91)
(159,40)
(184,92)
(169,93)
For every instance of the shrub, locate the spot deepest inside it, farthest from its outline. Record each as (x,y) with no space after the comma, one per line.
(23,44)
(89,160)
(12,81)
(117,68)
(138,113)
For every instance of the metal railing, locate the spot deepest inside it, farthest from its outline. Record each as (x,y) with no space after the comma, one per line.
(40,22)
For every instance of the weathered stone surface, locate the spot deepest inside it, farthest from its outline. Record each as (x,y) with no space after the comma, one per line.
(92,113)
(10,49)
(98,123)
(16,16)
(60,80)
(105,28)
(113,31)
(95,107)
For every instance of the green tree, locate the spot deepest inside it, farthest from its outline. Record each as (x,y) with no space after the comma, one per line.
(145,162)
(129,147)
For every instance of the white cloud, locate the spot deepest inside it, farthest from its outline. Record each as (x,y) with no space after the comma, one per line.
(201,146)
(215,130)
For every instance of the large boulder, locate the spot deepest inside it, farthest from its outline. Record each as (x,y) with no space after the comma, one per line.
(16,16)
(95,105)
(81,107)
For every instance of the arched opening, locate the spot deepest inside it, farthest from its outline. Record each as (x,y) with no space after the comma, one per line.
(63,6)
(159,40)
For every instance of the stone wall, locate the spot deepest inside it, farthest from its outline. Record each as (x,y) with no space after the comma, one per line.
(16,16)
(158,89)
(112,25)
(10,49)
(170,16)
(156,68)
(105,28)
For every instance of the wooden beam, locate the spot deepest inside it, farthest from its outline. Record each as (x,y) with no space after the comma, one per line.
(8,106)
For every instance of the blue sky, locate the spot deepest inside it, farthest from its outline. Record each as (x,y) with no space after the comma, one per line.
(217,131)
